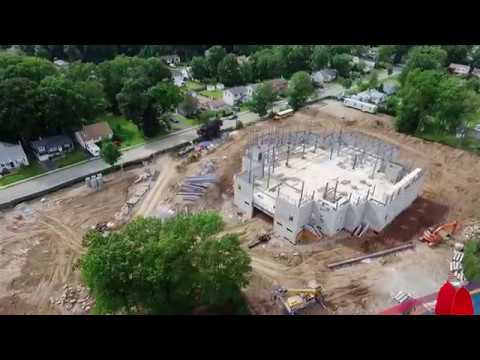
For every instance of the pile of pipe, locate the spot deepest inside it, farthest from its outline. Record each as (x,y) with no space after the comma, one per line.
(456,265)
(95,182)
(194,187)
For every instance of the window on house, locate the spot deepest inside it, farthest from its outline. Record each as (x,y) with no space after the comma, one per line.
(290,218)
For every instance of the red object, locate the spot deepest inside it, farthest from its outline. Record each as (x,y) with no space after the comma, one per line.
(445,299)
(462,304)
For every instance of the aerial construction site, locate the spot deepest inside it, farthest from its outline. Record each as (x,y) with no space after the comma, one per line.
(324,186)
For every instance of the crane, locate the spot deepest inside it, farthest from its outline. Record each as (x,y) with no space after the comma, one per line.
(433,236)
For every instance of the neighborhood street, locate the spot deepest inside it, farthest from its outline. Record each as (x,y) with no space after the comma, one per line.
(18,192)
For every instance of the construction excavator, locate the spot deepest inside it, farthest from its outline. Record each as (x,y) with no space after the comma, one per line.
(295,300)
(435,235)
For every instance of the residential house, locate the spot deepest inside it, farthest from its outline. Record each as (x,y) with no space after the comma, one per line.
(211,87)
(459,69)
(476,72)
(217,105)
(51,147)
(324,76)
(12,156)
(242,59)
(92,134)
(235,95)
(170,60)
(250,90)
(179,77)
(278,85)
(390,88)
(220,86)
(191,109)
(371,96)
(61,63)
(369,65)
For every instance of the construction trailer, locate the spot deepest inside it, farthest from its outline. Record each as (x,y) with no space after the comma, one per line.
(324,183)
(360,105)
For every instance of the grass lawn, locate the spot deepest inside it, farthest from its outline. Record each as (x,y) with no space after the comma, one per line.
(193,86)
(71,158)
(187,121)
(244,107)
(28,171)
(216,94)
(127,130)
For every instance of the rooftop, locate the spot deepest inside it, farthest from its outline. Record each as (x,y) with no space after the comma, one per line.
(10,152)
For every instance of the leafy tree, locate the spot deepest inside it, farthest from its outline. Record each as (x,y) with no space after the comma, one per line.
(340,49)
(165,96)
(199,68)
(342,63)
(92,101)
(266,64)
(214,56)
(165,267)
(246,49)
(300,88)
(373,80)
(392,53)
(457,53)
(262,99)
(110,153)
(73,53)
(18,108)
(476,57)
(471,260)
(293,58)
(424,58)
(320,57)
(246,73)
(133,100)
(28,67)
(228,71)
(189,105)
(82,72)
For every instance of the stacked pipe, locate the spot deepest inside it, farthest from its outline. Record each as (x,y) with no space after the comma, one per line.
(194,187)
(456,265)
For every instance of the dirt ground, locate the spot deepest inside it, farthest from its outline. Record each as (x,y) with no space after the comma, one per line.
(40,242)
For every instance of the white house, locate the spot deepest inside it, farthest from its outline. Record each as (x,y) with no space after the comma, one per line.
(51,147)
(211,87)
(92,134)
(217,105)
(250,90)
(61,63)
(235,95)
(179,76)
(324,76)
(170,60)
(220,86)
(459,69)
(371,96)
(12,156)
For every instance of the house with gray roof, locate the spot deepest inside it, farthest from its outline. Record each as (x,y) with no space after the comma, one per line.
(371,96)
(390,88)
(235,95)
(12,156)
(324,76)
(51,147)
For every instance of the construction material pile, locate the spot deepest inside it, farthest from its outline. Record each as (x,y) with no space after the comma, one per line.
(94,182)
(456,265)
(194,187)
(74,299)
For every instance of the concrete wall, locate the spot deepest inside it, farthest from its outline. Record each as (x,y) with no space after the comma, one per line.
(289,219)
(243,195)
(393,172)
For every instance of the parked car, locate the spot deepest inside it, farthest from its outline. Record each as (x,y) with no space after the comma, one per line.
(233,117)
(174,120)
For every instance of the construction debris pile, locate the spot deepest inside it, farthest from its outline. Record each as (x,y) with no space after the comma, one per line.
(141,186)
(74,299)
(194,187)
(456,265)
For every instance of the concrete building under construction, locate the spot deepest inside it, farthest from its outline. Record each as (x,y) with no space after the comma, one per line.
(324,183)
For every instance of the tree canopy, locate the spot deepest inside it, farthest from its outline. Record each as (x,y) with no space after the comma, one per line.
(166,267)
(300,88)
(342,63)
(262,99)
(110,153)
(229,71)
(424,58)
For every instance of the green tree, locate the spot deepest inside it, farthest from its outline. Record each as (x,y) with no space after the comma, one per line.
(246,73)
(476,57)
(82,72)
(110,153)
(18,109)
(262,99)
(424,58)
(165,267)
(266,64)
(300,88)
(228,71)
(320,57)
(133,100)
(28,67)
(373,79)
(457,53)
(214,56)
(199,68)
(471,261)
(189,105)
(343,64)
(340,49)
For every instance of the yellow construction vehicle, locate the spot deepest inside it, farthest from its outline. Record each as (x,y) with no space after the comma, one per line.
(295,300)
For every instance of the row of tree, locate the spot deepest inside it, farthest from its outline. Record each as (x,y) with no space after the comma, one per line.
(99,53)
(38,99)
(273,62)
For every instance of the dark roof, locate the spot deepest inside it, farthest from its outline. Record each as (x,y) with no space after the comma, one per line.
(95,131)
(52,141)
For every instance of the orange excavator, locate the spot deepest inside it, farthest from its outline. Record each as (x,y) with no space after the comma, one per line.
(434,236)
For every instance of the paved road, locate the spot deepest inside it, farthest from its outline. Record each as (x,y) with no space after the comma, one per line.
(57,179)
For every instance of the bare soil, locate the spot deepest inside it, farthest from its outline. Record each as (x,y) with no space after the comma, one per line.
(38,252)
